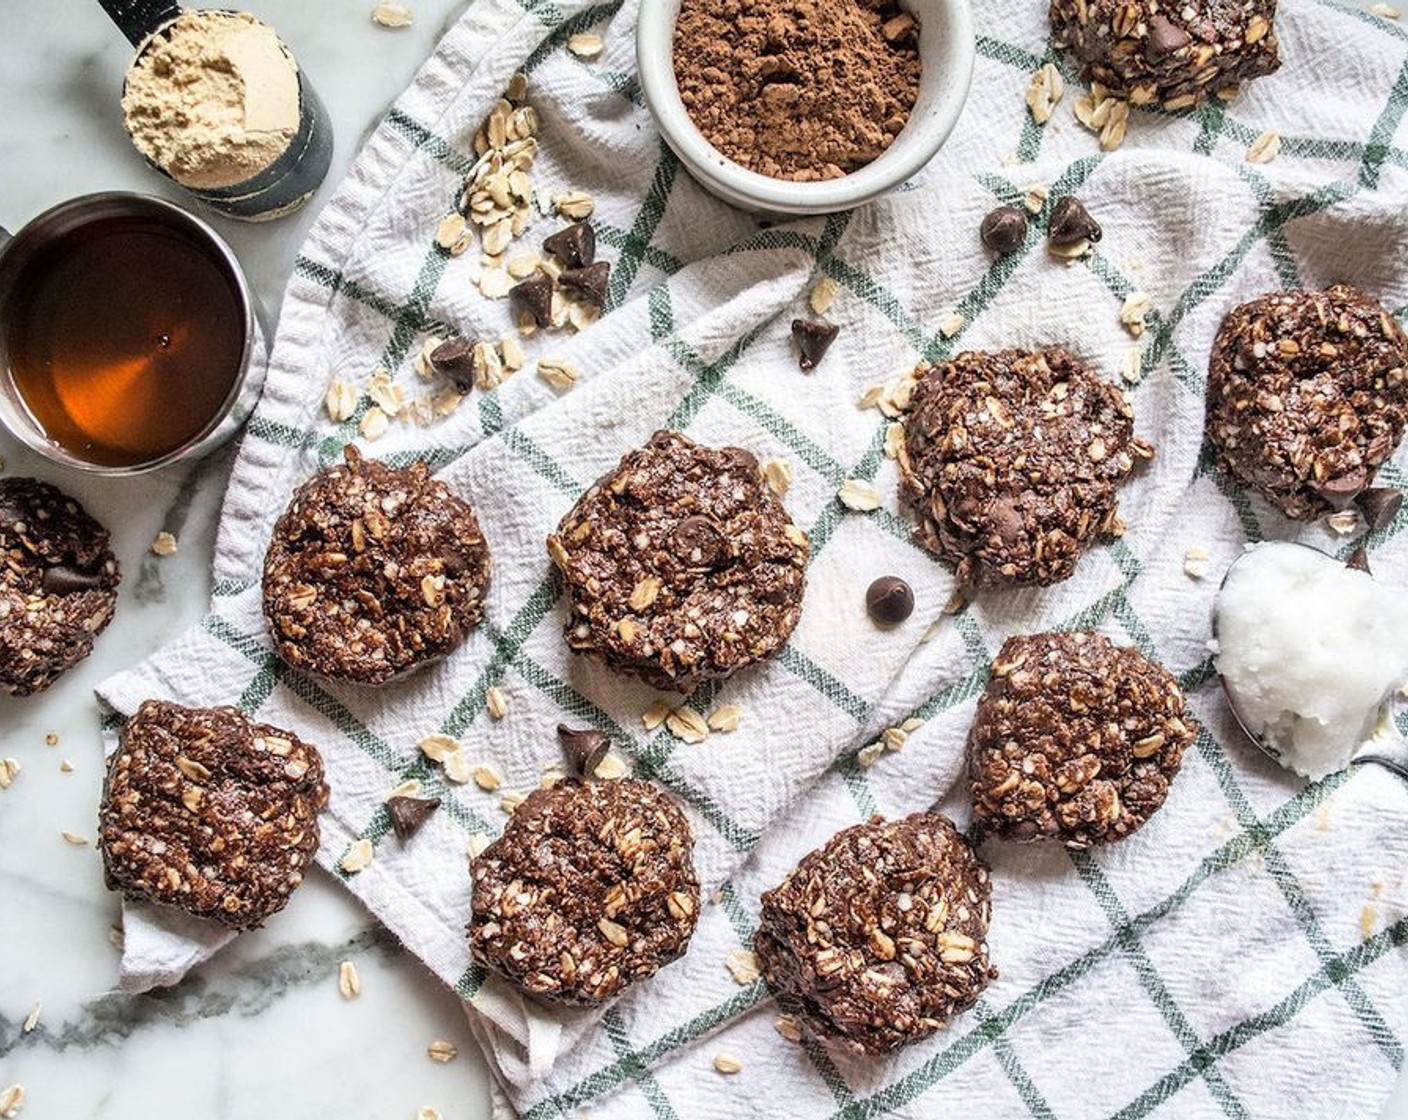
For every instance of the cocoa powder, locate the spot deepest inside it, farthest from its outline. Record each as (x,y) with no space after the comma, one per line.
(798,89)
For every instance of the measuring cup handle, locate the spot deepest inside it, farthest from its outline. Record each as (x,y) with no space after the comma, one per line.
(5,238)
(139,18)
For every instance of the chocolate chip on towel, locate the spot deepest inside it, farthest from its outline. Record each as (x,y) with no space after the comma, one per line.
(814,339)
(574,246)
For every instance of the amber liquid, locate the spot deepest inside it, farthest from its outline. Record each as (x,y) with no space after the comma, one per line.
(124,338)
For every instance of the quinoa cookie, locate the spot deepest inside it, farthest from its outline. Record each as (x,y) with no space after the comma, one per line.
(590,888)
(1307,396)
(681,564)
(878,938)
(1176,55)
(1010,459)
(373,571)
(58,584)
(209,812)
(1075,739)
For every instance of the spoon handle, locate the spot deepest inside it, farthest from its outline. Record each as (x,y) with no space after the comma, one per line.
(139,18)
(1389,752)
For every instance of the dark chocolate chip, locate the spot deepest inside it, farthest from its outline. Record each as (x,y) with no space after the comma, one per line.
(454,361)
(1340,492)
(1071,222)
(1379,505)
(584,748)
(1165,37)
(698,541)
(61,580)
(588,283)
(740,461)
(574,246)
(1359,561)
(814,339)
(889,600)
(408,814)
(533,295)
(1004,229)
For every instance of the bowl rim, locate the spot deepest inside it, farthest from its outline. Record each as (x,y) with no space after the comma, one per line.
(655,64)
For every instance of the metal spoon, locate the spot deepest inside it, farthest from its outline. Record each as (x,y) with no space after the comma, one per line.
(1387,747)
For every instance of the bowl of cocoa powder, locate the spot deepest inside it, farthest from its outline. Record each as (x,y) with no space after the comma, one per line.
(804,106)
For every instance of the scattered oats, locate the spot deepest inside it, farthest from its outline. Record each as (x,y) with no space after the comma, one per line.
(165,544)
(951,325)
(359,856)
(116,937)
(1070,253)
(1132,365)
(478,841)
(1136,306)
(392,15)
(452,227)
(522,265)
(384,393)
(611,767)
(32,1019)
(512,351)
(858,495)
(411,787)
(423,363)
(66,766)
(586,44)
(446,401)
(955,603)
(725,718)
(553,773)
(348,982)
(1344,523)
(496,702)
(51,739)
(894,738)
(1264,148)
(512,800)
(428,1114)
(487,778)
(871,397)
(870,754)
(11,1101)
(558,372)
(894,441)
(1112,134)
(441,1051)
(439,747)
(9,771)
(687,725)
(1367,918)
(75,839)
(778,475)
(574,204)
(1044,91)
(517,87)
(457,768)
(1195,562)
(725,1063)
(655,715)
(374,423)
(789,1027)
(495,283)
(582,315)
(823,295)
(1036,197)
(341,401)
(1386,11)
(742,965)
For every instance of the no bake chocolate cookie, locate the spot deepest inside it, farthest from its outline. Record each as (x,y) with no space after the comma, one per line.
(1307,396)
(373,571)
(1175,55)
(681,564)
(1075,739)
(1011,459)
(878,938)
(207,811)
(58,584)
(590,888)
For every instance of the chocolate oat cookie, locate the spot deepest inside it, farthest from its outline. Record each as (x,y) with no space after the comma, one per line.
(373,571)
(58,584)
(1011,459)
(681,564)
(209,812)
(590,888)
(1307,396)
(1075,739)
(1178,56)
(878,938)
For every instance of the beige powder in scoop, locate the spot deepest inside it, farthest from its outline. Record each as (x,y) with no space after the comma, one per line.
(212,99)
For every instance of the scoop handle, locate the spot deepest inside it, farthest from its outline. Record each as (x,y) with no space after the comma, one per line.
(139,18)
(1390,753)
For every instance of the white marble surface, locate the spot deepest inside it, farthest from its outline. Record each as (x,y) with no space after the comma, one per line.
(262,1031)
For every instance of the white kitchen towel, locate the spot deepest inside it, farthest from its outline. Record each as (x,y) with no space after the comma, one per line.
(1241,951)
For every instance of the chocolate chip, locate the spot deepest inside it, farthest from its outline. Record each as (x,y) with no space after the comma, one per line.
(1165,37)
(454,361)
(1071,222)
(1359,561)
(61,580)
(889,600)
(1340,492)
(698,541)
(1379,505)
(740,461)
(1004,229)
(584,748)
(814,339)
(574,246)
(533,295)
(408,814)
(589,283)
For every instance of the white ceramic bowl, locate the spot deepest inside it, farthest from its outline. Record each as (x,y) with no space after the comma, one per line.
(946,50)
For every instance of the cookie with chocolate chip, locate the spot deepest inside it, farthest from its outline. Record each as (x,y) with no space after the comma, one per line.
(1010,460)
(373,572)
(879,938)
(1075,739)
(58,584)
(1307,397)
(207,811)
(681,564)
(590,888)
(1175,56)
